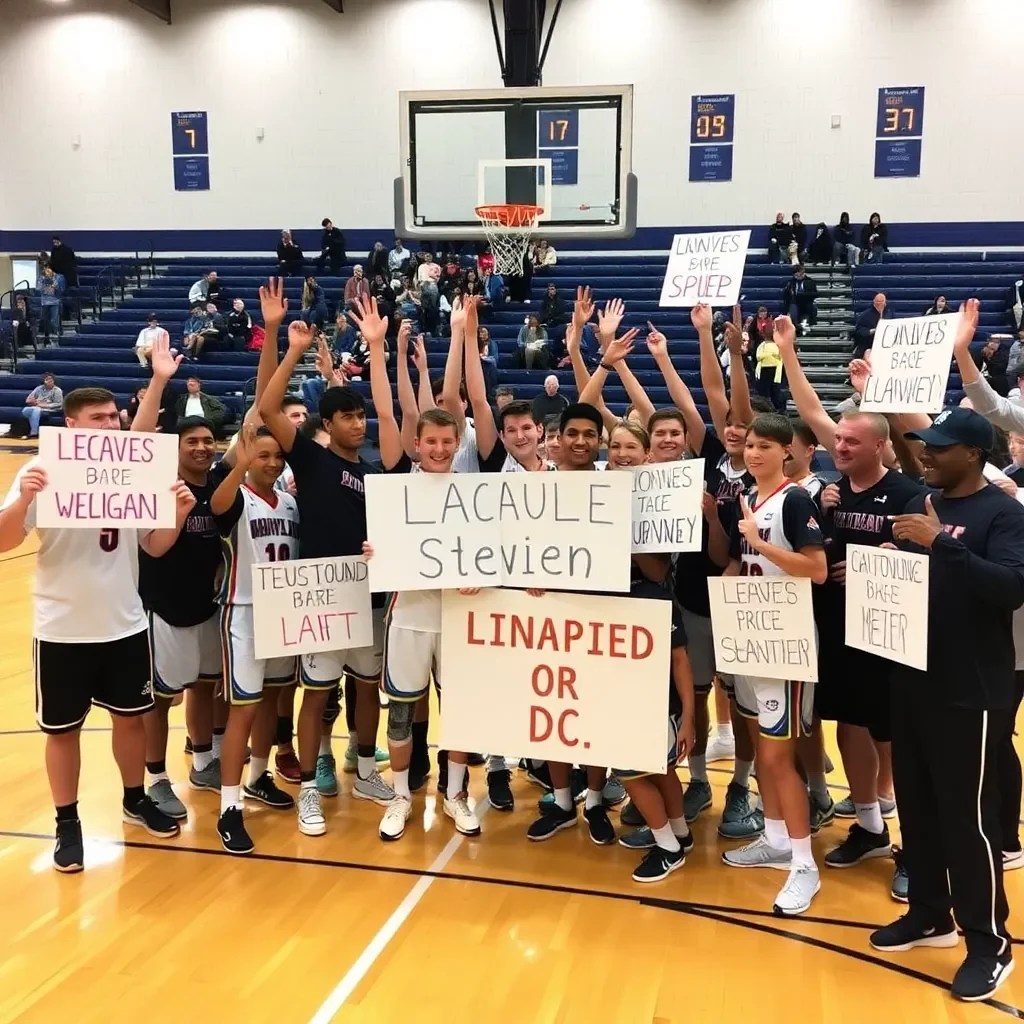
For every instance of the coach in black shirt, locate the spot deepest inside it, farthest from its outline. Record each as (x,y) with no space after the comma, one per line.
(948,723)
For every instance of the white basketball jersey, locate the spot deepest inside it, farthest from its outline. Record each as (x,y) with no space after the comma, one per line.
(768,516)
(263,533)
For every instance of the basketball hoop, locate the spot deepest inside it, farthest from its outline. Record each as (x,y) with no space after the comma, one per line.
(509,228)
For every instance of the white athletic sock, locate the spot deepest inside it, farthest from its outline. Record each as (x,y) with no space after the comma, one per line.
(230,796)
(158,777)
(496,763)
(869,816)
(741,772)
(802,856)
(325,744)
(456,778)
(818,787)
(218,739)
(257,766)
(366,767)
(202,759)
(776,834)
(698,764)
(679,827)
(563,797)
(595,797)
(666,838)
(725,731)
(400,783)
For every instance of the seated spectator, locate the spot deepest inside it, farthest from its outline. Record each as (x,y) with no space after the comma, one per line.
(544,256)
(206,289)
(550,402)
(493,290)
(552,440)
(212,335)
(472,284)
(314,303)
(503,395)
(344,336)
(799,229)
(42,399)
(332,247)
(452,275)
(1017,350)
(485,262)
(381,290)
(820,250)
(22,325)
(64,262)
(1015,304)
(1015,471)
(290,258)
(938,307)
(356,287)
(874,240)
(356,362)
(533,345)
(768,373)
(759,327)
(798,299)
(488,365)
(198,322)
(239,327)
(131,410)
(147,337)
(843,242)
(377,261)
(195,402)
(483,337)
(780,240)
(409,301)
(398,257)
(552,312)
(864,329)
(993,359)
(51,292)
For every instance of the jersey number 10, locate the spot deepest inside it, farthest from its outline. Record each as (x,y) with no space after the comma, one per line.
(277,554)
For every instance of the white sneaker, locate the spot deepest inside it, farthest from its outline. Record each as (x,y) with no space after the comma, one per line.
(720,748)
(310,812)
(800,889)
(759,854)
(1013,860)
(465,820)
(374,788)
(392,825)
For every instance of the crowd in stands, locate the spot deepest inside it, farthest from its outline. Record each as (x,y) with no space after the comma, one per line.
(791,242)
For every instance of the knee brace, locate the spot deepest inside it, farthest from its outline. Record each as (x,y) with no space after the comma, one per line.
(400,714)
(333,707)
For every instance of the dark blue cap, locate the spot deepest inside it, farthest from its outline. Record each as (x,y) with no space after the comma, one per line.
(957,426)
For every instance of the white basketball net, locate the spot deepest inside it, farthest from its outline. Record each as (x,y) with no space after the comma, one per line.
(509,229)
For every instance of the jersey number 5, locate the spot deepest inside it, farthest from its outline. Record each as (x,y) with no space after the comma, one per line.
(109,539)
(277,554)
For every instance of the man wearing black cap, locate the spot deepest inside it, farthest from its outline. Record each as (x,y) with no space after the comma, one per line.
(948,724)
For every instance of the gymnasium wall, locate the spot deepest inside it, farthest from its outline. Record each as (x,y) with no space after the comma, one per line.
(87,88)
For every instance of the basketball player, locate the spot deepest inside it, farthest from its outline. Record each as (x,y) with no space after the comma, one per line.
(177,591)
(853,687)
(332,506)
(90,651)
(778,535)
(259,524)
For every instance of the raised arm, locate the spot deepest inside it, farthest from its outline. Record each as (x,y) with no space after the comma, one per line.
(425,393)
(406,395)
(164,368)
(583,310)
(998,410)
(274,307)
(614,354)
(739,400)
(300,337)
(608,321)
(657,345)
(808,405)
(373,327)
(157,543)
(453,368)
(476,389)
(711,379)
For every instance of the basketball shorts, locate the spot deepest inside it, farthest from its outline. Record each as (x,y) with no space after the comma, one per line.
(244,673)
(70,678)
(183,655)
(674,721)
(853,687)
(411,657)
(322,670)
(784,708)
(700,648)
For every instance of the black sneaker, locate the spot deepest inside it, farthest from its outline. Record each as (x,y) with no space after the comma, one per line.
(658,864)
(419,772)
(151,818)
(686,842)
(630,815)
(909,932)
(538,775)
(602,831)
(264,790)
(499,790)
(979,976)
(68,854)
(860,844)
(233,836)
(552,819)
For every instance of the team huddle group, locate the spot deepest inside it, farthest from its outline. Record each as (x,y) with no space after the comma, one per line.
(176,615)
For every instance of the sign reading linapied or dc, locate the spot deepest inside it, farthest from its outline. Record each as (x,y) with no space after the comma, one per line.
(711,119)
(189,136)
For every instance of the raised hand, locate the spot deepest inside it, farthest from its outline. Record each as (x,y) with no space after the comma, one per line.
(748,525)
(618,349)
(324,360)
(371,324)
(583,308)
(165,364)
(184,501)
(968,325)
(860,370)
(245,444)
(32,482)
(918,529)
(273,303)
(608,320)
(404,333)
(459,314)
(700,317)
(657,343)
(300,335)
(784,334)
(734,338)
(419,354)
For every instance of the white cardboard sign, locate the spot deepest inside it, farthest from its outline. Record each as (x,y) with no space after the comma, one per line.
(551,531)
(764,626)
(910,361)
(706,267)
(106,479)
(552,677)
(887,604)
(667,512)
(310,605)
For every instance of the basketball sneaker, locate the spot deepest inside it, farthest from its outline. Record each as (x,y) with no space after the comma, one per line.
(286,766)
(602,832)
(208,778)
(658,864)
(803,884)
(1013,859)
(846,809)
(859,844)
(69,853)
(465,820)
(153,820)
(978,977)
(392,825)
(326,775)
(720,748)
(162,794)
(821,816)
(911,931)
(614,792)
(696,798)
(264,790)
(310,812)
(381,759)
(552,819)
(231,829)
(630,815)
(900,888)
(499,790)
(759,854)
(374,788)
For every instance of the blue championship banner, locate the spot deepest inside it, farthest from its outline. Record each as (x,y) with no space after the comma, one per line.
(711,137)
(190,146)
(558,140)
